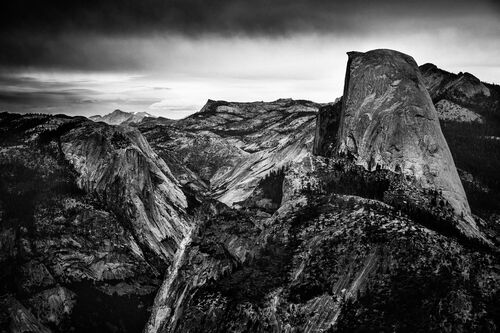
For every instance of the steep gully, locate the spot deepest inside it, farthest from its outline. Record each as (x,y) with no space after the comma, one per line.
(168,301)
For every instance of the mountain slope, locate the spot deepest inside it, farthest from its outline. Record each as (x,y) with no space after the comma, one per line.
(232,146)
(473,145)
(69,262)
(91,218)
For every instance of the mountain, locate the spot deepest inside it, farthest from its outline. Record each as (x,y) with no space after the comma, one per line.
(473,144)
(261,216)
(119,117)
(90,217)
(460,86)
(388,121)
(231,146)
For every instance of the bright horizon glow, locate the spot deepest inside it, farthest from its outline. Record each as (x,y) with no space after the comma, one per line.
(174,76)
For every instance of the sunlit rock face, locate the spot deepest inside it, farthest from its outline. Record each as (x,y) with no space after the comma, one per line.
(231,146)
(70,262)
(389,122)
(118,165)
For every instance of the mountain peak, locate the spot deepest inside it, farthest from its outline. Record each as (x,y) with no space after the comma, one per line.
(428,66)
(388,121)
(119,117)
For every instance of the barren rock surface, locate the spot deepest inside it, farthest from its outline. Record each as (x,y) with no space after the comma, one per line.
(232,146)
(118,165)
(388,121)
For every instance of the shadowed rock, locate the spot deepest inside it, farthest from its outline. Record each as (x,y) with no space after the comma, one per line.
(327,123)
(462,87)
(388,121)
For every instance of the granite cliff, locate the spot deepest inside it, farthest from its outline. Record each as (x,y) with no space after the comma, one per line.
(232,146)
(388,121)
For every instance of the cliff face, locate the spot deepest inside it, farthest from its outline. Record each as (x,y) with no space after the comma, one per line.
(232,146)
(118,165)
(69,261)
(388,121)
(325,134)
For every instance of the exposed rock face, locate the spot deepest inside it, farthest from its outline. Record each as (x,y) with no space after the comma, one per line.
(65,255)
(119,166)
(388,121)
(232,146)
(463,86)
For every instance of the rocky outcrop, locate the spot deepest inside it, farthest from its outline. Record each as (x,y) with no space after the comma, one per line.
(462,86)
(462,89)
(388,121)
(69,261)
(232,146)
(118,165)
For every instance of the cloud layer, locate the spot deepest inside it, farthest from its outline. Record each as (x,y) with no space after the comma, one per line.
(169,56)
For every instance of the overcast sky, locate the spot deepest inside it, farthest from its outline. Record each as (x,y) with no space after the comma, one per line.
(168,57)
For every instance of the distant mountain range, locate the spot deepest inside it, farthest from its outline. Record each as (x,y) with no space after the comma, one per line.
(119,117)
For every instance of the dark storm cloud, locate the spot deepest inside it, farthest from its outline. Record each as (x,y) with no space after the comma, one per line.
(218,16)
(60,33)
(93,56)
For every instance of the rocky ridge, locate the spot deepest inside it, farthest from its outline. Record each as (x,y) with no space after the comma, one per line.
(119,117)
(231,146)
